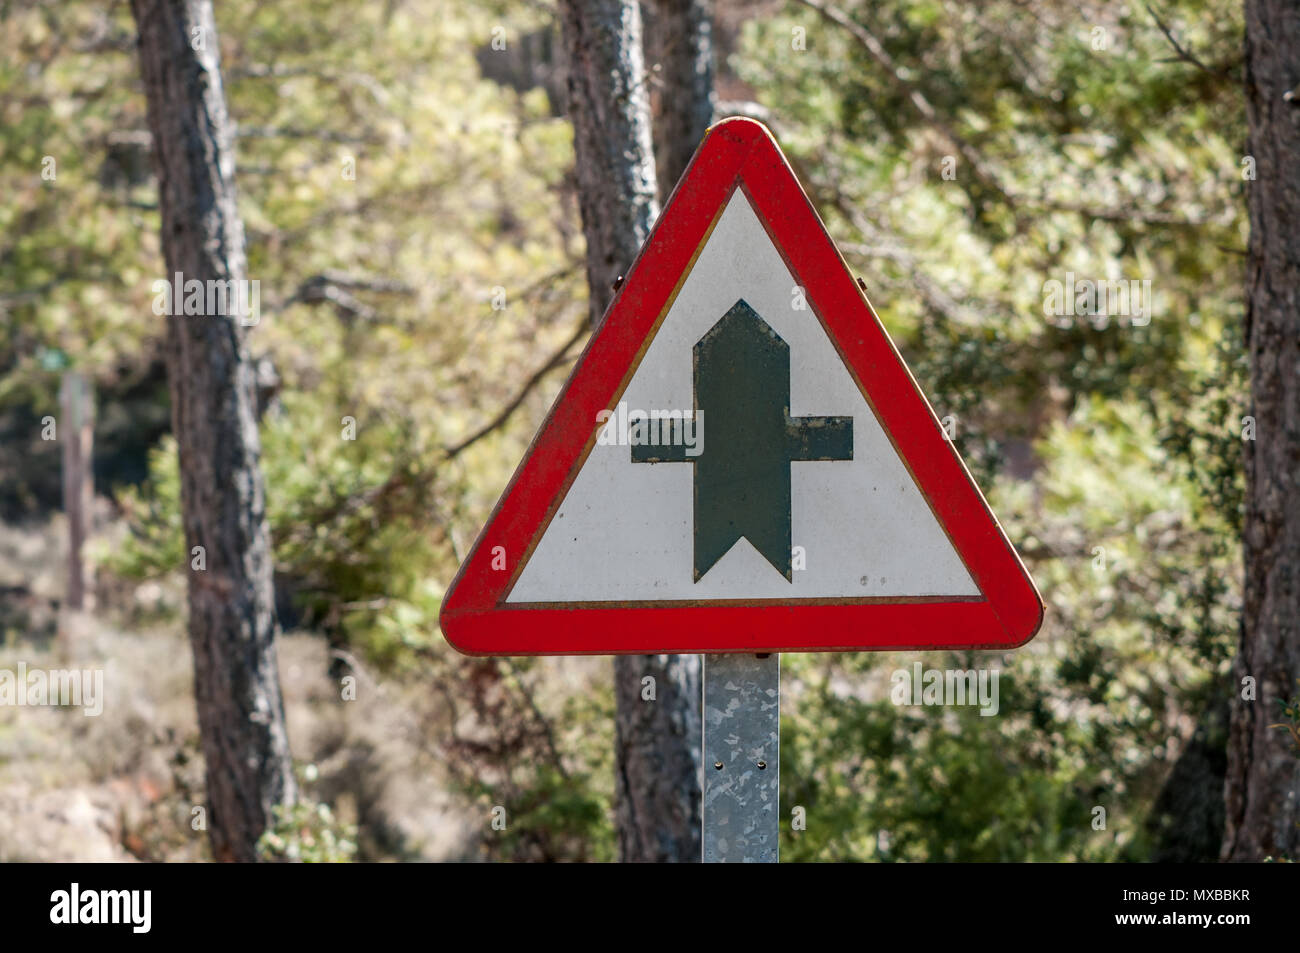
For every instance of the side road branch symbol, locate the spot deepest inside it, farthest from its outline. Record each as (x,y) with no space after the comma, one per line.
(742,479)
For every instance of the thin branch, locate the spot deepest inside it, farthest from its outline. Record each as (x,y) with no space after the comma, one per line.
(555,360)
(336,287)
(323,135)
(1130,215)
(1184,54)
(547,730)
(935,295)
(983,172)
(867,40)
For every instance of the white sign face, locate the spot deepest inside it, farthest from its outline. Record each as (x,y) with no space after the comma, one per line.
(860,527)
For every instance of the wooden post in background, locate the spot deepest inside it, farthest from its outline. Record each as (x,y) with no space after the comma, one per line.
(77,428)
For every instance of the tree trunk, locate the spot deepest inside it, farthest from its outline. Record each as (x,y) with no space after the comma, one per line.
(232,619)
(77,409)
(657,730)
(1263,785)
(681,39)
(609,107)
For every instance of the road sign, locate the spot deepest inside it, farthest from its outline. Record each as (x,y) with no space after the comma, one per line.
(740,461)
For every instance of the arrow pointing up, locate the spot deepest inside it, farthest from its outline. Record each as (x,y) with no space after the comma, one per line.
(742,478)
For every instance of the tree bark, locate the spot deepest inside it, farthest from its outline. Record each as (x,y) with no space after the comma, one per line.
(657,782)
(681,38)
(610,110)
(1263,783)
(232,620)
(77,409)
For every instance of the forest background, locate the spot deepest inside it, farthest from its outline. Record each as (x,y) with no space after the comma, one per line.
(406,179)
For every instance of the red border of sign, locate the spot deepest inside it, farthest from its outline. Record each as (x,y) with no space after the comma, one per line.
(476,619)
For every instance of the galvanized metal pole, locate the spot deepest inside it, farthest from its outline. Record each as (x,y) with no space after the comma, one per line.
(741,755)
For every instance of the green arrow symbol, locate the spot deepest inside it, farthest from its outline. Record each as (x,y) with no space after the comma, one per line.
(742,477)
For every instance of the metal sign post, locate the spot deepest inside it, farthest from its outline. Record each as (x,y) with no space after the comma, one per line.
(741,750)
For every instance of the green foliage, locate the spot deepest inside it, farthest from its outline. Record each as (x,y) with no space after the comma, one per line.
(1291,712)
(157,544)
(549,778)
(306,832)
(1109,449)
(929,784)
(410,216)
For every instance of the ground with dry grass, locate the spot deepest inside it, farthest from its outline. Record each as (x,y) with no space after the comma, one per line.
(125,785)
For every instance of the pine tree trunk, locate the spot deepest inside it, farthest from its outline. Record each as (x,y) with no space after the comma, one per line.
(1263,785)
(682,40)
(232,619)
(609,107)
(657,783)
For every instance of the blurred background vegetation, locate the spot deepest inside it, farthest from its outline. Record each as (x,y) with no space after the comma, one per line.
(408,195)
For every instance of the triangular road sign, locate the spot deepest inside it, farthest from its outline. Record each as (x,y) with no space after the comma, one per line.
(740,461)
